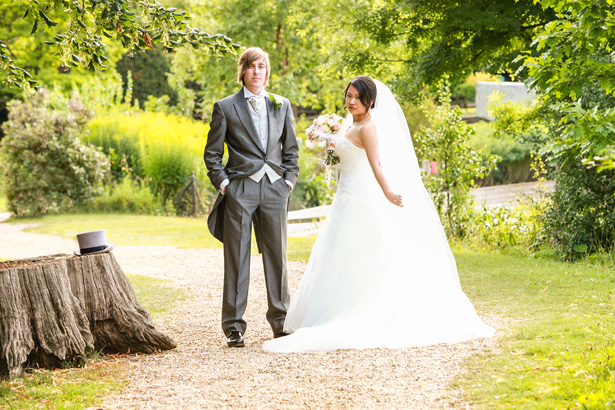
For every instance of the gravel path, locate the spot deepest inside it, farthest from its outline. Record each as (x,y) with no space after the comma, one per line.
(203,373)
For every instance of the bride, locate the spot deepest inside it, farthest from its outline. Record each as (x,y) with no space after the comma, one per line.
(381,273)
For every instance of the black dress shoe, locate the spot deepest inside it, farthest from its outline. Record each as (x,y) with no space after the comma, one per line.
(235,339)
(280,334)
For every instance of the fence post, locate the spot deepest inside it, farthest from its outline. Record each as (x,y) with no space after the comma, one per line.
(193,182)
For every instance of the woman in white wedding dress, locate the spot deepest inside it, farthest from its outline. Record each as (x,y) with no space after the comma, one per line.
(381,273)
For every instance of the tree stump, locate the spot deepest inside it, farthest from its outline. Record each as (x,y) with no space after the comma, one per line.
(53,308)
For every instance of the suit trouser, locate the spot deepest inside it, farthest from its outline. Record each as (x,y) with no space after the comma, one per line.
(245,200)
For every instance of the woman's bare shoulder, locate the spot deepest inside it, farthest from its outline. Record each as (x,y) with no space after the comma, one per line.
(368,130)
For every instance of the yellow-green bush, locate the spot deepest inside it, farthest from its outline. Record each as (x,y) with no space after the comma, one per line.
(129,196)
(161,148)
(520,226)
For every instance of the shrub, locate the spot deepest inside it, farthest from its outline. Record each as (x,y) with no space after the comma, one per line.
(47,167)
(311,189)
(515,156)
(520,226)
(582,218)
(525,123)
(518,132)
(161,148)
(463,93)
(130,197)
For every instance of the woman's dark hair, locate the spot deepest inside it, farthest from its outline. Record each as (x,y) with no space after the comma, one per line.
(366,88)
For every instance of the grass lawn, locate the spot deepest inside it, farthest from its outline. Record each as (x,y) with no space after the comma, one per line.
(80,388)
(558,350)
(76,388)
(123,229)
(149,230)
(555,350)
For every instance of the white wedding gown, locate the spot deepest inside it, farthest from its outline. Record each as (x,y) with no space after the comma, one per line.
(379,276)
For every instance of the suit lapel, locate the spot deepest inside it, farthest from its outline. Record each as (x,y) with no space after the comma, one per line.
(272,117)
(243,111)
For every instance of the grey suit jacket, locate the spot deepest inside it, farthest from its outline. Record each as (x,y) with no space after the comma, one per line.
(231,124)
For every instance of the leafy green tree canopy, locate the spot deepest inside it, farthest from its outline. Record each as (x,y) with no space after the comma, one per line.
(417,43)
(295,58)
(134,24)
(574,72)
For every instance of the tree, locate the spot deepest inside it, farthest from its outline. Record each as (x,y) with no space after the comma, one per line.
(574,72)
(136,25)
(417,43)
(295,58)
(149,71)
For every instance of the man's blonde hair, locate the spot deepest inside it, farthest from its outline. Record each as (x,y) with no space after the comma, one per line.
(248,57)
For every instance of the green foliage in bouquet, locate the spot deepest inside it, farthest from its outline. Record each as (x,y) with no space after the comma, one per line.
(48,168)
(447,143)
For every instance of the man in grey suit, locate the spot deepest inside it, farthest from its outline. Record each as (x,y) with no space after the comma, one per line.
(262,168)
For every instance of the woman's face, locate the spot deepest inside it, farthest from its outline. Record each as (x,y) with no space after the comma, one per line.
(353,103)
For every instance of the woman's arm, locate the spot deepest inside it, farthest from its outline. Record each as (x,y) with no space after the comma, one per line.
(369,138)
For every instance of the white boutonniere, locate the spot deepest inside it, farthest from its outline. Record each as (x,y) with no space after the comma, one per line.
(276,100)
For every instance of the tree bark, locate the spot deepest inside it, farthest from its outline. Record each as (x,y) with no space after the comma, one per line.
(53,308)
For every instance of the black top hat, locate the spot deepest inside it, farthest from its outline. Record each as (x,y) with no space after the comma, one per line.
(91,243)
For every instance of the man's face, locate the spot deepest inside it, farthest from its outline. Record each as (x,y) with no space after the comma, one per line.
(256,74)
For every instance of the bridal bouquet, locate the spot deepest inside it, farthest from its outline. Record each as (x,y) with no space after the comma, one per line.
(321,134)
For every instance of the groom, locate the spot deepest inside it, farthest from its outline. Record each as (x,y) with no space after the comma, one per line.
(259,132)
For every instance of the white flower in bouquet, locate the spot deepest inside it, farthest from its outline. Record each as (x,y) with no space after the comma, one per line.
(321,135)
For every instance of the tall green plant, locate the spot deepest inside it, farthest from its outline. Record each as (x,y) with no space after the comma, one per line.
(160,148)
(447,143)
(47,167)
